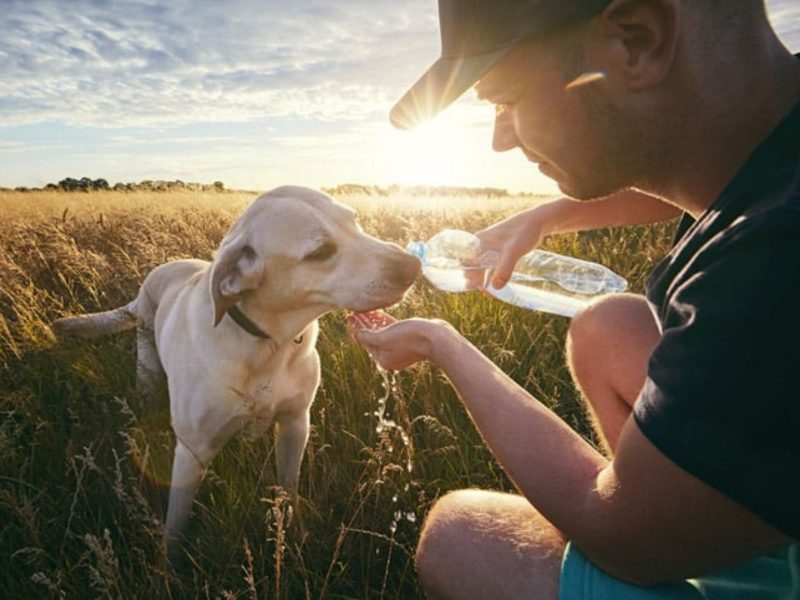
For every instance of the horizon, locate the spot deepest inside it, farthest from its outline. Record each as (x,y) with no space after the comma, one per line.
(251,94)
(80,185)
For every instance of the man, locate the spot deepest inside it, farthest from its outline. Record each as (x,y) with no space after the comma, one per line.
(694,105)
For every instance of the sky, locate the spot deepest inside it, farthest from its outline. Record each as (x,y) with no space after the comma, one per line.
(251,93)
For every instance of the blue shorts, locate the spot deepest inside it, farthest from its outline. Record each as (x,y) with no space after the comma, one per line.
(774,576)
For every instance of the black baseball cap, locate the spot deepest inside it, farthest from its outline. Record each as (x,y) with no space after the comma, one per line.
(475,35)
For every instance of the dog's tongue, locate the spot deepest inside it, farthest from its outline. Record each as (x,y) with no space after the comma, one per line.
(373,319)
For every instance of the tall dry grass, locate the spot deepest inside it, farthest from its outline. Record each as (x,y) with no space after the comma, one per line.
(84,461)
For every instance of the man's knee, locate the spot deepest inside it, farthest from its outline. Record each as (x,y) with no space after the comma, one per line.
(483,544)
(607,325)
(604,319)
(461,526)
(444,525)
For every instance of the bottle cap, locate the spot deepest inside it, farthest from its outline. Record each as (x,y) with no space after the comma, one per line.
(417,249)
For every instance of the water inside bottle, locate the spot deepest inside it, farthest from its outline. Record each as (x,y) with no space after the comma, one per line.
(569,282)
(542,280)
(449,279)
(539,298)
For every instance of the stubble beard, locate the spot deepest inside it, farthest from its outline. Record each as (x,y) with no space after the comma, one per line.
(629,149)
(629,144)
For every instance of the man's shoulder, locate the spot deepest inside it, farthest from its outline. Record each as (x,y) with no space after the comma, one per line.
(736,261)
(758,213)
(757,254)
(766,228)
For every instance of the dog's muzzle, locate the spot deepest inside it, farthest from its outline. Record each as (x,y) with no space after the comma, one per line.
(403,270)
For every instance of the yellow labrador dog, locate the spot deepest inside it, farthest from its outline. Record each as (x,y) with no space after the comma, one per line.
(235,337)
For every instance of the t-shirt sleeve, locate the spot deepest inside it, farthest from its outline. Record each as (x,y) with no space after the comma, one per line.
(721,397)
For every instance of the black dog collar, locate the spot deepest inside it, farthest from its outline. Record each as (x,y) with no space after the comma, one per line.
(245,323)
(242,321)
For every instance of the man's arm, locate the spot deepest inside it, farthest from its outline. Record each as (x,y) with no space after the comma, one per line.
(626,207)
(521,232)
(640,517)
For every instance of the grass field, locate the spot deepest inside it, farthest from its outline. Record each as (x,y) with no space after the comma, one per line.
(84,462)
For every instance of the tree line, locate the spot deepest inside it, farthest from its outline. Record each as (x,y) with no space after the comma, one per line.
(87,184)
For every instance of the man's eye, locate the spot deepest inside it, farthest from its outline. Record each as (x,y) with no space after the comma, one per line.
(324,252)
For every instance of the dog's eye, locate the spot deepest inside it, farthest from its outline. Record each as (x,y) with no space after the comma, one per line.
(324,252)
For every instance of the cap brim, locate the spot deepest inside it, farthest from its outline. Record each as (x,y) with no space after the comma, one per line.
(440,86)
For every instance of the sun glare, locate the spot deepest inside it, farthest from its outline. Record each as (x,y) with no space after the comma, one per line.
(452,149)
(438,152)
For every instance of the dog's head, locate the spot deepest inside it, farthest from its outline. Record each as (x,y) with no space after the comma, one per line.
(296,248)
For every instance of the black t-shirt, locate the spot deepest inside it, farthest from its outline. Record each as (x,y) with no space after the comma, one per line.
(722,395)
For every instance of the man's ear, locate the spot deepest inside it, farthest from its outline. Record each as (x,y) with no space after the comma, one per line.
(644,36)
(236,269)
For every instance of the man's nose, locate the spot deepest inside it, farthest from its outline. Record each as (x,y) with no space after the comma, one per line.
(504,137)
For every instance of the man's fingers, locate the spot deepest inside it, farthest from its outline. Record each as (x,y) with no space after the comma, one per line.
(357,323)
(375,319)
(500,277)
(369,341)
(504,269)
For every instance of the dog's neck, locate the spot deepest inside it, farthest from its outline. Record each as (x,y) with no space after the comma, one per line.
(243,321)
(235,313)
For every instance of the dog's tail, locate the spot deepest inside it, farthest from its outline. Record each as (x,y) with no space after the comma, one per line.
(97,324)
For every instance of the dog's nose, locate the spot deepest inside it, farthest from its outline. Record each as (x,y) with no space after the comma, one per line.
(403,269)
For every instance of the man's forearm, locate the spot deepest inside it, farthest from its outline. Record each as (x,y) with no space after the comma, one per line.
(626,207)
(548,462)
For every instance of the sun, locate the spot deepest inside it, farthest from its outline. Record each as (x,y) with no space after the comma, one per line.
(438,152)
(453,149)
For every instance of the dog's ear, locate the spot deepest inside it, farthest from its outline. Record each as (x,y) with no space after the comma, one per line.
(237,269)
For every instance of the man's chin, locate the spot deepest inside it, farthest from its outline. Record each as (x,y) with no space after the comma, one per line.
(585,192)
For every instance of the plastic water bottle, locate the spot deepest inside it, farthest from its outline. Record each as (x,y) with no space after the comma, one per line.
(454,261)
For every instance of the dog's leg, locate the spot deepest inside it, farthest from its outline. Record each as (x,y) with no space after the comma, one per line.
(292,436)
(150,377)
(188,470)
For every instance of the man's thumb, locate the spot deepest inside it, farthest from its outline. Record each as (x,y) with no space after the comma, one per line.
(500,276)
(504,269)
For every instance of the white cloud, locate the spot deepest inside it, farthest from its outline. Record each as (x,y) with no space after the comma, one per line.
(145,62)
(133,63)
(248,91)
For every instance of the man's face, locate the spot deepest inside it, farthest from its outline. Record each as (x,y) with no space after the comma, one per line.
(574,134)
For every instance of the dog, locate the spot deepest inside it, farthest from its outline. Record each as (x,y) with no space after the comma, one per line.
(235,338)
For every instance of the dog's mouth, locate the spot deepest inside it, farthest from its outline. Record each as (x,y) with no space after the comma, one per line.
(373,295)
(382,297)
(390,285)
